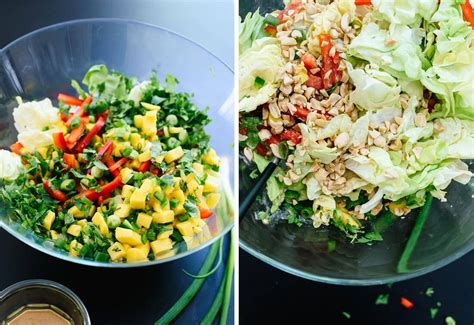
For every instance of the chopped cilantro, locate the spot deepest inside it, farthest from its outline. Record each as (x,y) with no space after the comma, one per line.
(346,314)
(382,299)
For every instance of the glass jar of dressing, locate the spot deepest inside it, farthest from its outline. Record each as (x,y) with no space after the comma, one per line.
(41,302)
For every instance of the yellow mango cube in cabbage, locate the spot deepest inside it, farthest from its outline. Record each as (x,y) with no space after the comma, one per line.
(74,230)
(138,200)
(128,236)
(144,220)
(161,245)
(99,220)
(174,154)
(212,200)
(123,210)
(82,223)
(145,248)
(75,248)
(135,139)
(49,219)
(116,252)
(185,228)
(127,191)
(126,173)
(135,255)
(163,216)
(138,121)
(149,123)
(147,186)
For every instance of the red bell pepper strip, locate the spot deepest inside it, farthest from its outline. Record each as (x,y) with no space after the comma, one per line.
(70,160)
(301,112)
(406,303)
(80,112)
(63,117)
(89,136)
(60,141)
(75,135)
(116,166)
(106,149)
(291,135)
(109,187)
(205,213)
(314,81)
(16,148)
(274,139)
(144,166)
(467,12)
(109,162)
(271,30)
(261,150)
(329,71)
(155,171)
(70,100)
(55,194)
(363,2)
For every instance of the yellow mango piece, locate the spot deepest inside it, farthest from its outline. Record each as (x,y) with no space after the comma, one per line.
(198,168)
(211,158)
(185,228)
(211,185)
(82,223)
(116,252)
(192,185)
(75,248)
(144,220)
(145,248)
(89,126)
(74,230)
(161,245)
(138,121)
(53,234)
(212,200)
(128,236)
(135,255)
(150,107)
(179,210)
(135,139)
(49,219)
(138,200)
(127,191)
(144,156)
(123,210)
(163,216)
(74,211)
(149,123)
(174,154)
(43,151)
(99,220)
(165,234)
(147,186)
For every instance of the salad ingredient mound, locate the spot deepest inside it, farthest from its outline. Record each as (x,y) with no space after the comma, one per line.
(121,173)
(370,104)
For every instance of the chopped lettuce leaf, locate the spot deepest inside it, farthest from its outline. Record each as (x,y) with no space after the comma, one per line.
(404,12)
(251,29)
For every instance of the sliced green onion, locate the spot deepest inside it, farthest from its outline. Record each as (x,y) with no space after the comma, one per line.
(402,266)
(215,268)
(192,290)
(229,271)
(259,82)
(271,20)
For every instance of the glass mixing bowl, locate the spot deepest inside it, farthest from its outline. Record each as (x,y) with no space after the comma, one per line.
(447,234)
(42,64)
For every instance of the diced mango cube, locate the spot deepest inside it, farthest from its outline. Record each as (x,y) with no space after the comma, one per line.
(212,200)
(198,168)
(49,219)
(126,173)
(136,255)
(144,220)
(135,139)
(163,216)
(211,185)
(75,248)
(179,210)
(82,223)
(165,234)
(174,154)
(138,200)
(144,156)
(123,210)
(149,123)
(74,211)
(161,245)
(53,234)
(116,252)
(211,158)
(147,186)
(128,236)
(138,121)
(127,191)
(145,248)
(99,220)
(74,230)
(185,228)
(43,151)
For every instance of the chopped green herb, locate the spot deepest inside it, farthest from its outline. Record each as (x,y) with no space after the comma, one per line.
(429,292)
(346,314)
(450,321)
(433,312)
(382,299)
(259,82)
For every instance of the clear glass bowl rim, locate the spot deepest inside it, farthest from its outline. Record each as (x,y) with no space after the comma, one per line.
(90,262)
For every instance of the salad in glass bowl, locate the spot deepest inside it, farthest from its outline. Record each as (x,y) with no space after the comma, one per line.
(370,105)
(121,173)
